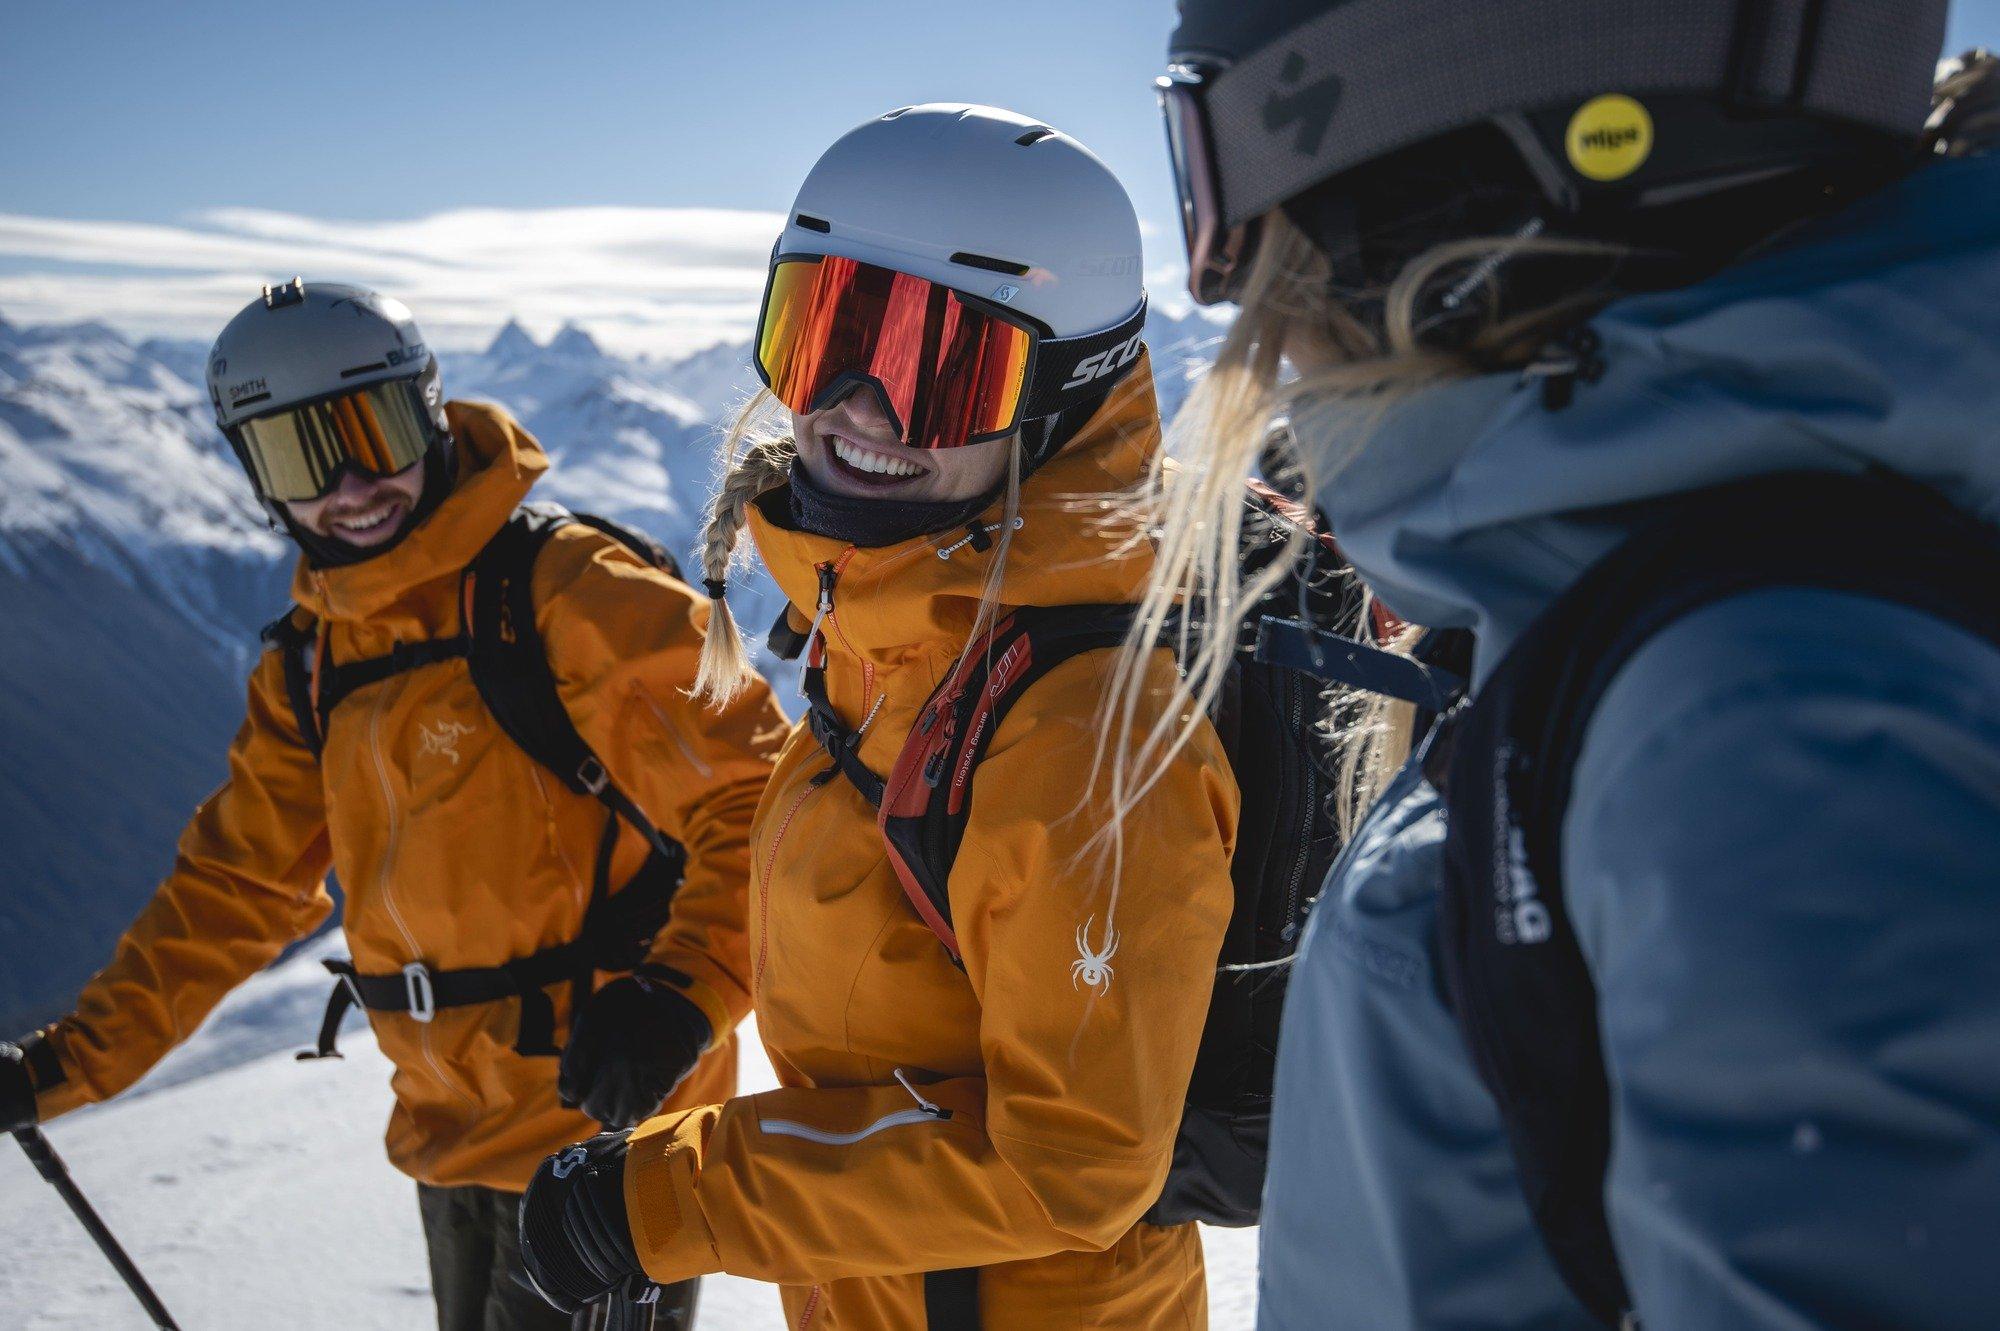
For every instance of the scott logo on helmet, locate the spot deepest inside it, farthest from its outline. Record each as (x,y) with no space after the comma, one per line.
(1106,363)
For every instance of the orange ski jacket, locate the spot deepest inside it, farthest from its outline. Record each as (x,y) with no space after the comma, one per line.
(452,846)
(1019,1115)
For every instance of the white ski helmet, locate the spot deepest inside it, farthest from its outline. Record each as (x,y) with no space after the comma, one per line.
(984,201)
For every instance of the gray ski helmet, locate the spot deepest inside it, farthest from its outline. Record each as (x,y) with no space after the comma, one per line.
(1614,106)
(296,352)
(301,343)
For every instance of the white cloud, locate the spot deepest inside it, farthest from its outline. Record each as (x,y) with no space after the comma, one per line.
(661,281)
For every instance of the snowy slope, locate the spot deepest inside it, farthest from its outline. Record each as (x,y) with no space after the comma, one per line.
(253,1192)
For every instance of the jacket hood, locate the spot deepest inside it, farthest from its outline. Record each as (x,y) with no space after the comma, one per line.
(1871,338)
(928,588)
(498,462)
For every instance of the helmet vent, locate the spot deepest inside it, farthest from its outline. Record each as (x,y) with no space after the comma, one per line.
(813,223)
(1035,136)
(991,265)
(364,369)
(898,111)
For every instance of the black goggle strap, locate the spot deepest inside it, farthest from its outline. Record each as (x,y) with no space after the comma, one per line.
(1070,371)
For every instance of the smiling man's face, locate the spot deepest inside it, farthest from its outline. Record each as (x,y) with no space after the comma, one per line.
(851,449)
(363,511)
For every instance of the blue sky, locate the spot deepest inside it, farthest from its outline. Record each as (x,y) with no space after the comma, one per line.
(230,141)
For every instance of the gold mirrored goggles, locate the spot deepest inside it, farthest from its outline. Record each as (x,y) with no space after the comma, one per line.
(299,453)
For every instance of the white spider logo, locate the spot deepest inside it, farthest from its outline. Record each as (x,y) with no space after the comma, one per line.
(443,740)
(1091,966)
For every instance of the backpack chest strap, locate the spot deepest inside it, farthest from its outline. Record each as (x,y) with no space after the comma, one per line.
(841,741)
(335,681)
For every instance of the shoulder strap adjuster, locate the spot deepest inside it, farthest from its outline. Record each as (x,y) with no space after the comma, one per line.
(423,996)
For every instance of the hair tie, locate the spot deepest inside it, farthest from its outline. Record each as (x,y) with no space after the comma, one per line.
(716,588)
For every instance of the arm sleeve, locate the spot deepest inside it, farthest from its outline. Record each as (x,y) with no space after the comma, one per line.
(624,640)
(1066,1139)
(1781,859)
(249,878)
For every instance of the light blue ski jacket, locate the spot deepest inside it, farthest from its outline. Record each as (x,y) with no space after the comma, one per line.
(1782,855)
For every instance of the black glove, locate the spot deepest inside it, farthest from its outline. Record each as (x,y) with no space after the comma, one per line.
(17,1090)
(635,1040)
(576,1242)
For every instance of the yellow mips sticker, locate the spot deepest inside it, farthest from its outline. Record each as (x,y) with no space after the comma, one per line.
(1610,137)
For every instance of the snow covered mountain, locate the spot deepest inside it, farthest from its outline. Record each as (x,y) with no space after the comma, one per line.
(136,569)
(216,1173)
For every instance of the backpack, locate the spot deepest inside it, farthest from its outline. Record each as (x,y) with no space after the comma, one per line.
(505,655)
(1514,976)
(1268,720)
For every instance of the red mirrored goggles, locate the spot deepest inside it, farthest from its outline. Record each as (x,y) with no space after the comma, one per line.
(1218,255)
(950,369)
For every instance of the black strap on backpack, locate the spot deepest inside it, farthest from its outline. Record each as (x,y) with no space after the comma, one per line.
(503,649)
(1267,720)
(951,1299)
(1516,979)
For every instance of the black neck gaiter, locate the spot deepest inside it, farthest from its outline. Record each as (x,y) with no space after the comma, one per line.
(872,523)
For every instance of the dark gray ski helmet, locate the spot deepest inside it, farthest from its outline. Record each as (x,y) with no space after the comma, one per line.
(1613,105)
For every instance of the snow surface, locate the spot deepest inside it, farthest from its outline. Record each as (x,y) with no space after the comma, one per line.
(252,1191)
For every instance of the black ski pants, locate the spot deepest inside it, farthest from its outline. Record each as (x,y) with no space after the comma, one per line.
(474,1239)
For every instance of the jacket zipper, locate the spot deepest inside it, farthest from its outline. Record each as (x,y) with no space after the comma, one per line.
(829,574)
(386,882)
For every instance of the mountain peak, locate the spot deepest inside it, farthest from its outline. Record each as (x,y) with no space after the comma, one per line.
(573,341)
(512,340)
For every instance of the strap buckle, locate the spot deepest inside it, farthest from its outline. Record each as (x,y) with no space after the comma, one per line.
(417,985)
(593,776)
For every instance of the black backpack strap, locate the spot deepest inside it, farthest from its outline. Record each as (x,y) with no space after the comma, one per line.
(1514,974)
(951,1299)
(510,664)
(1339,659)
(315,686)
(296,644)
(841,742)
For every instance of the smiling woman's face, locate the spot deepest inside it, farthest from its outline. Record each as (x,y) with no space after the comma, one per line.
(364,511)
(851,449)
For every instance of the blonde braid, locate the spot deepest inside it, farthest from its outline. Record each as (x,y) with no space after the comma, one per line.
(765,462)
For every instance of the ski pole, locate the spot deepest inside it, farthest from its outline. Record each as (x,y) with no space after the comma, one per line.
(51,1167)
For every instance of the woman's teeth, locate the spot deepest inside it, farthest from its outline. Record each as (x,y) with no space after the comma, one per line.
(369,520)
(862,459)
